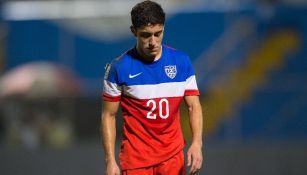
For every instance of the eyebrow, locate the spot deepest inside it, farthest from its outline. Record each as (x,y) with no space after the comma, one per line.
(143,32)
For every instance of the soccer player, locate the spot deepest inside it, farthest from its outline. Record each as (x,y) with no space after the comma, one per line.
(149,82)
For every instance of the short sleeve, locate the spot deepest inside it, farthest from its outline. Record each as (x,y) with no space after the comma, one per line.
(111,87)
(191,88)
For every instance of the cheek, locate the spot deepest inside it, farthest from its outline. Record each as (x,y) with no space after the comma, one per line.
(143,42)
(161,37)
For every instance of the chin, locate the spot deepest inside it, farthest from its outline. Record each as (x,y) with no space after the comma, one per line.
(152,54)
(150,57)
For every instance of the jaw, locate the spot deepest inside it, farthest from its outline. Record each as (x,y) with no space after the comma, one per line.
(148,55)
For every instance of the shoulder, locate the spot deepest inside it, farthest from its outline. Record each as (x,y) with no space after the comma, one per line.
(181,60)
(123,60)
(117,66)
(178,54)
(118,61)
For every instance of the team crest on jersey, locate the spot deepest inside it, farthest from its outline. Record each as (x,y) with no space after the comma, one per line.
(170,71)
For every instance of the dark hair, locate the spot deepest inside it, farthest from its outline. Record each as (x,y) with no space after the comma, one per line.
(147,12)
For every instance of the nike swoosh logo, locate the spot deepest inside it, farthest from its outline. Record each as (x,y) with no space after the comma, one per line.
(135,75)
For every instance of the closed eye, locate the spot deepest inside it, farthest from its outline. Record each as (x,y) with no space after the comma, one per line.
(145,35)
(157,34)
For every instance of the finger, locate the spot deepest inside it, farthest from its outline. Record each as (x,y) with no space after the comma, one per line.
(196,164)
(192,163)
(189,159)
(200,162)
(194,170)
(193,173)
(118,172)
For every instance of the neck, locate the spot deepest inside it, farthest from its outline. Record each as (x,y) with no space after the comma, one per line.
(158,56)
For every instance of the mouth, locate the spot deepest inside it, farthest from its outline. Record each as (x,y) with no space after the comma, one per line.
(154,49)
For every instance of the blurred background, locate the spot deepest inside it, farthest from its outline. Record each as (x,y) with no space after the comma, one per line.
(250,58)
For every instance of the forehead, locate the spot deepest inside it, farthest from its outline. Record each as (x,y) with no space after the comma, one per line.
(151,28)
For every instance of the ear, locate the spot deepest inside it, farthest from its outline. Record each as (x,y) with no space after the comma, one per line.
(133,30)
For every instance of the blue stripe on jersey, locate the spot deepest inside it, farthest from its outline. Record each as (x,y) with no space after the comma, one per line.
(129,69)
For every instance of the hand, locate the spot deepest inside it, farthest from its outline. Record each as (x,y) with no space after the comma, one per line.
(112,169)
(195,158)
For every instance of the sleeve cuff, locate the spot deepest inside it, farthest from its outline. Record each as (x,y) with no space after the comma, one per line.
(191,92)
(107,97)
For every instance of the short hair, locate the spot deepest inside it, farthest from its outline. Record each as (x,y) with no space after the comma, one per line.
(147,12)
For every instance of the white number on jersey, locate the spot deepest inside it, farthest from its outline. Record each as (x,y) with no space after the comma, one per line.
(163,106)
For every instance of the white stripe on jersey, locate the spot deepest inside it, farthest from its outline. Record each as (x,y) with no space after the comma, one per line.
(171,89)
(191,83)
(111,89)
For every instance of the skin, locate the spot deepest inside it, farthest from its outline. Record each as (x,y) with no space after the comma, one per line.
(108,131)
(149,41)
(149,46)
(194,153)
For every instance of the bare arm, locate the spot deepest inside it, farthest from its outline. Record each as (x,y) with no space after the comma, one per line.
(194,153)
(108,132)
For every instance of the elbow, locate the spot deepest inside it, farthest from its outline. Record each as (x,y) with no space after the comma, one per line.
(194,107)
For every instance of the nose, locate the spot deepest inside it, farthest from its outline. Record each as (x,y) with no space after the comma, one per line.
(152,41)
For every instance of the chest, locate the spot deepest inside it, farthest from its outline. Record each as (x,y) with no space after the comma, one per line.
(142,74)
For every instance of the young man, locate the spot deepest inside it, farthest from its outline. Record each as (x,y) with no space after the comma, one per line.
(149,82)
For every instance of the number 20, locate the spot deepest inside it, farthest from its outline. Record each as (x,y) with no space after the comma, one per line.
(163,104)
